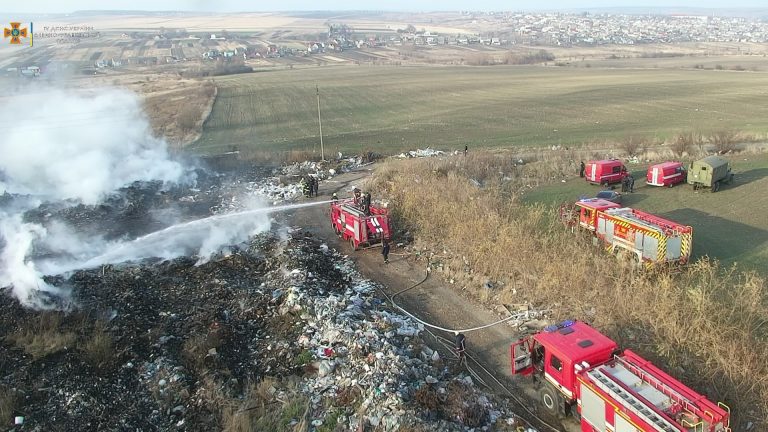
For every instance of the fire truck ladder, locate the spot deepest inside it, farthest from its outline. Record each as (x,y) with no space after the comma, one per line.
(640,408)
(628,216)
(679,399)
(648,221)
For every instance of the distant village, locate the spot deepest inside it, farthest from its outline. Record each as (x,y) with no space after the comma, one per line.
(510,28)
(559,29)
(341,37)
(544,29)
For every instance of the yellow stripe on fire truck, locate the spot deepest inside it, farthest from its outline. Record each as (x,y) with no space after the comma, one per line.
(661,249)
(685,244)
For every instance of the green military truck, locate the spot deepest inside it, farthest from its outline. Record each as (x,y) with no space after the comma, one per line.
(710,172)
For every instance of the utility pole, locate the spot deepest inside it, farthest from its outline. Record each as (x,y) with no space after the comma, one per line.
(320,123)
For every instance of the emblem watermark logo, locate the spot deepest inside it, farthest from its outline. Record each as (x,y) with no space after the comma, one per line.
(16,33)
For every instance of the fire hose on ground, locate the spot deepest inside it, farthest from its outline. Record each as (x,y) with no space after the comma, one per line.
(447,344)
(521,315)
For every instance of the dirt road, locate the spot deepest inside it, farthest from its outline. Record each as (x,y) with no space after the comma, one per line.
(434,301)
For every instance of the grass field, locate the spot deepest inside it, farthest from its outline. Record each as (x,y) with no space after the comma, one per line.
(730,225)
(388,109)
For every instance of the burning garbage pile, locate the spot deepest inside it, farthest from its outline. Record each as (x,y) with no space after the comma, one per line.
(185,347)
(145,219)
(147,294)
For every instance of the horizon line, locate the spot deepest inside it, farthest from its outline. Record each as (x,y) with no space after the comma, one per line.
(572,8)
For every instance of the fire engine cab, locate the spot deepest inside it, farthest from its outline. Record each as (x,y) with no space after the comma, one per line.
(352,223)
(581,372)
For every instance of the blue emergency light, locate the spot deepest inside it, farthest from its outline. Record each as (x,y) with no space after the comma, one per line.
(556,327)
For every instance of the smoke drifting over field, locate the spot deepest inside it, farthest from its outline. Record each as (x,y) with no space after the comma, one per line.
(80,146)
(78,149)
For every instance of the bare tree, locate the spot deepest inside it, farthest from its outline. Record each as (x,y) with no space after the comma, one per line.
(632,144)
(723,140)
(188,117)
(683,142)
(644,146)
(208,89)
(700,143)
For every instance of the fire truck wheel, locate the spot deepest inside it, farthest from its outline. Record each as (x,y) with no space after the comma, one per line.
(352,243)
(550,400)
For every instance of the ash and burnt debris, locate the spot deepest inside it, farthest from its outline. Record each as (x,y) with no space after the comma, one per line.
(140,207)
(175,346)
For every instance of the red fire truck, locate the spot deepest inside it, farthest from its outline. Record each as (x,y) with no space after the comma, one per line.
(352,224)
(648,239)
(581,372)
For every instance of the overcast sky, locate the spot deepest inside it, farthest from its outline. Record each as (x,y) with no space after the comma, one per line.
(58,6)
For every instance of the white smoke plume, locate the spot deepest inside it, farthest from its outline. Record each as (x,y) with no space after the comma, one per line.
(15,270)
(80,147)
(202,238)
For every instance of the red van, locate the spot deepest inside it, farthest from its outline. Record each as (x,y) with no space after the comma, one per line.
(605,172)
(666,174)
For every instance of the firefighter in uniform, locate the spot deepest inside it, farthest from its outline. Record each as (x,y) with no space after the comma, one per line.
(367,203)
(385,250)
(334,197)
(581,169)
(304,186)
(537,360)
(315,184)
(460,346)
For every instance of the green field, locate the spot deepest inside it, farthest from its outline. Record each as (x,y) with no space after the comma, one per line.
(730,225)
(389,108)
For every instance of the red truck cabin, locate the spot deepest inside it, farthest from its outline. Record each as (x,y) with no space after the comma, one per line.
(588,208)
(605,172)
(560,351)
(569,348)
(666,174)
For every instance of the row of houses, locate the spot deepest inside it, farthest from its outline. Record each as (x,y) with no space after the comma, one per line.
(563,29)
(225,54)
(24,71)
(418,39)
(101,64)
